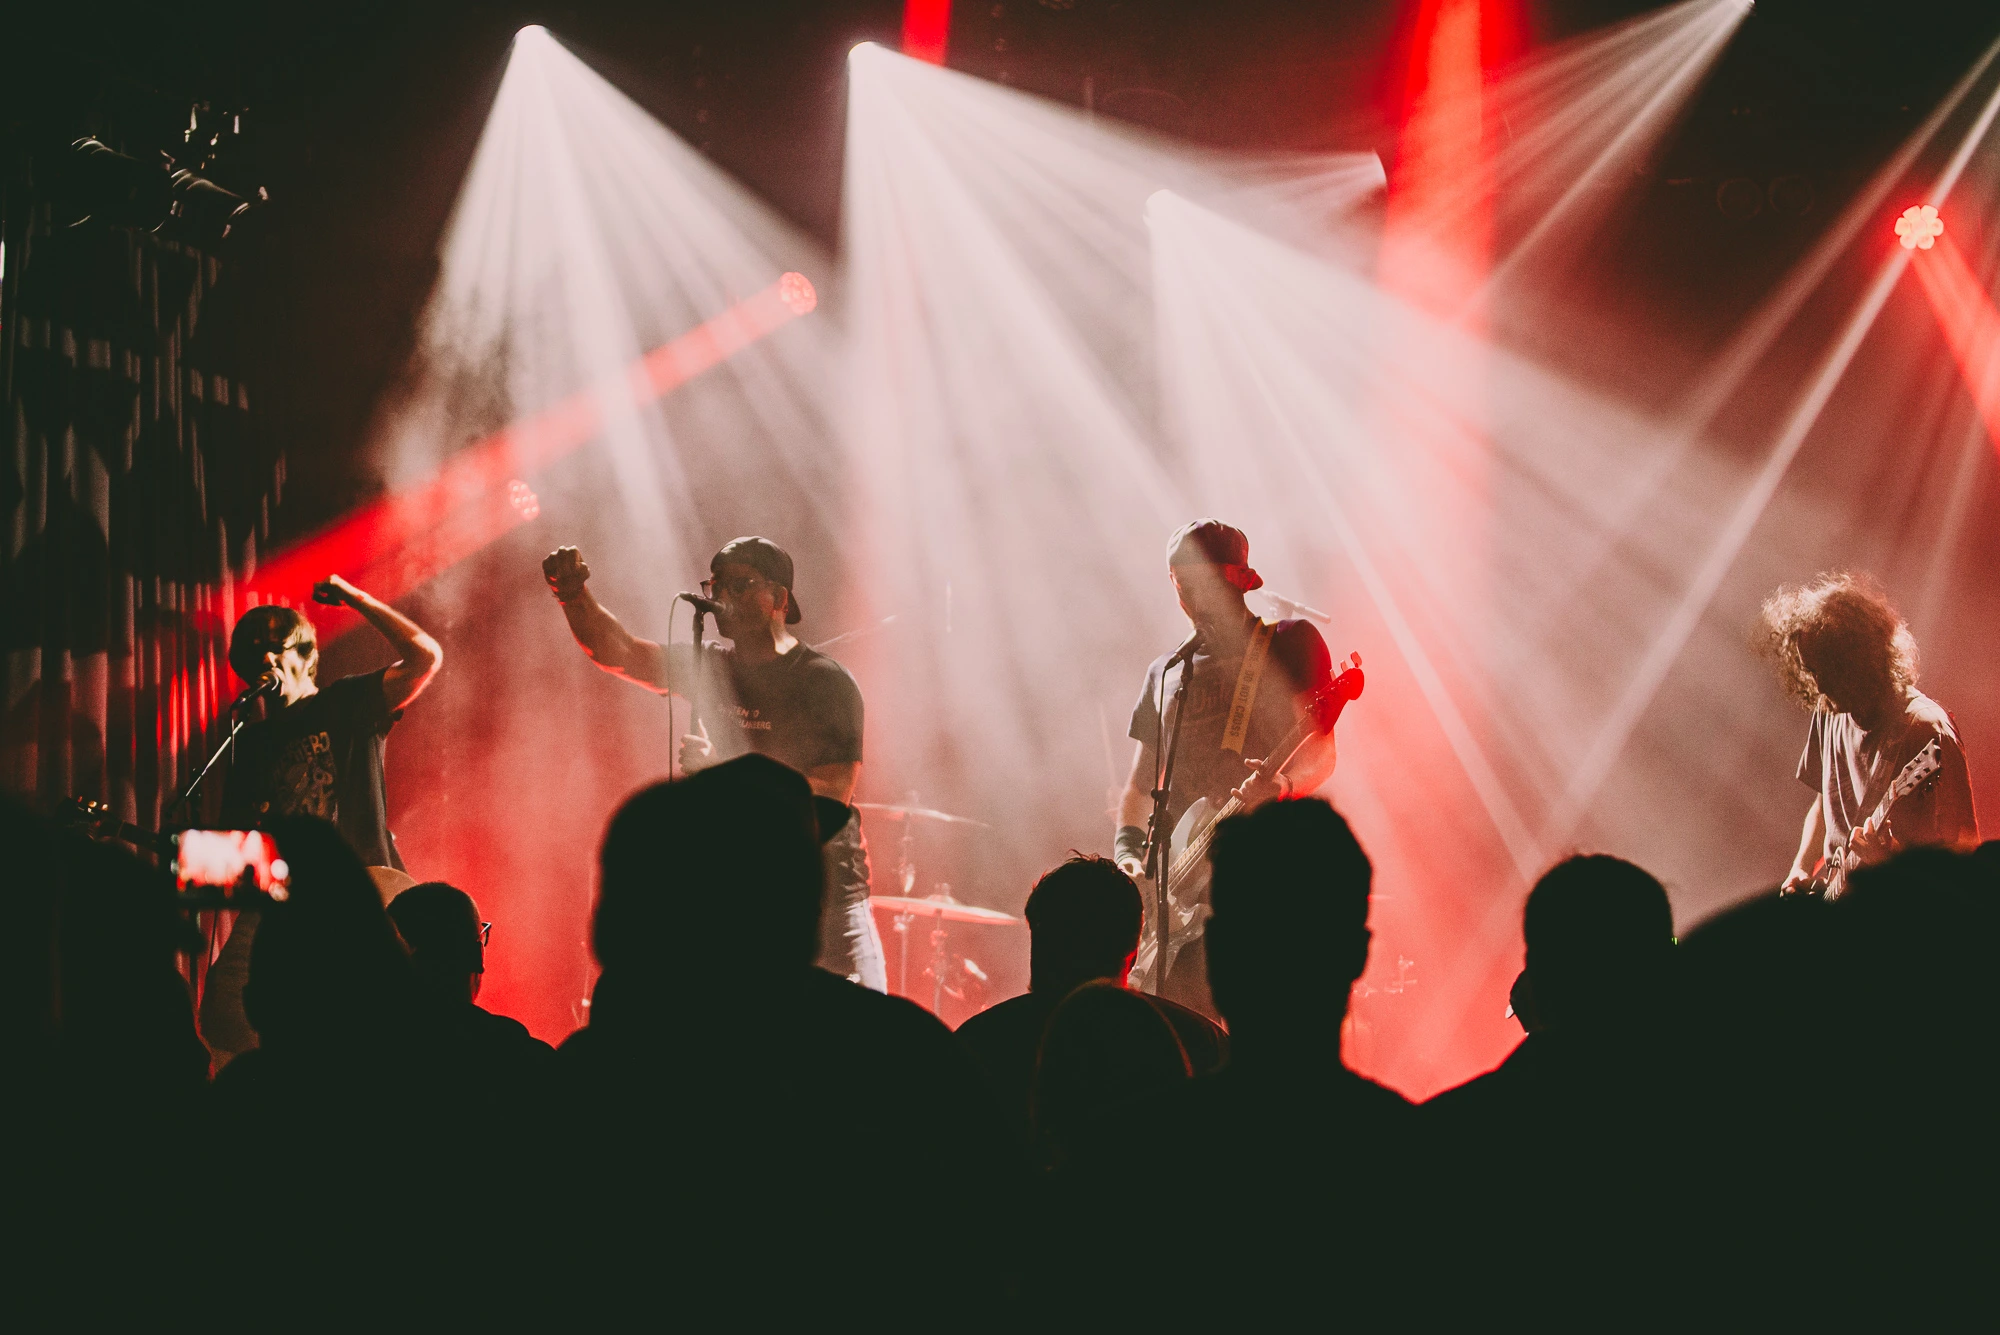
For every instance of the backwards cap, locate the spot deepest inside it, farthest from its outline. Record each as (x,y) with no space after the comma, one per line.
(768,559)
(1212,542)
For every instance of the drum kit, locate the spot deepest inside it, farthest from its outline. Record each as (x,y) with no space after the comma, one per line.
(942,911)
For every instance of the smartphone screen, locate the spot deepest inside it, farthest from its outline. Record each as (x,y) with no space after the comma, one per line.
(231,860)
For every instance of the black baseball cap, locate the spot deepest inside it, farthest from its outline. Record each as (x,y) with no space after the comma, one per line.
(768,559)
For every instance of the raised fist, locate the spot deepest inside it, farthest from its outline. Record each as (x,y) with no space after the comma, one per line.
(565,571)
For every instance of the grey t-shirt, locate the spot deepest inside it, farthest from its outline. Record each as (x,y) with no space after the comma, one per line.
(1852,770)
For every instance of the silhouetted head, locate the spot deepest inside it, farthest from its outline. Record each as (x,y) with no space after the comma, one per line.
(1083,923)
(327,965)
(1291,886)
(732,852)
(1105,1047)
(440,925)
(119,998)
(1600,938)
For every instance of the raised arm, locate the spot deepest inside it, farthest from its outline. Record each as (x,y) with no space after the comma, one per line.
(601,635)
(418,656)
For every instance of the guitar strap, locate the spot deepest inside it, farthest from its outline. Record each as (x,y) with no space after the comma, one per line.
(1248,678)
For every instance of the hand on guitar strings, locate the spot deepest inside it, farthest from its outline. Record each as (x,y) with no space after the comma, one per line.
(1260,788)
(1866,847)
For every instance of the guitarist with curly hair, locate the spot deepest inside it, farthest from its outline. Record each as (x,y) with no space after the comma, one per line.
(1883,758)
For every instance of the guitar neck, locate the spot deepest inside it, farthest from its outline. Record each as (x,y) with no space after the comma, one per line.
(1196,851)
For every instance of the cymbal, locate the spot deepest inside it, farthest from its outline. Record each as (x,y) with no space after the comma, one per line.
(942,906)
(919,813)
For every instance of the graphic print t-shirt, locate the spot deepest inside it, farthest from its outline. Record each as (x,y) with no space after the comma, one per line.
(801,708)
(1298,662)
(1852,771)
(320,757)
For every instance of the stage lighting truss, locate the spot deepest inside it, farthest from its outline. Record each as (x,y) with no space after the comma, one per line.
(1919,227)
(101,184)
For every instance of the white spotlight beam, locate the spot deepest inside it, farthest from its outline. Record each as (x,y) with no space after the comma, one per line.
(585,236)
(1674,52)
(1645,683)
(1572,119)
(1002,446)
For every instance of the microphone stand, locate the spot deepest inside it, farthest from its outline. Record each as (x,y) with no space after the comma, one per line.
(186,795)
(694,687)
(1156,832)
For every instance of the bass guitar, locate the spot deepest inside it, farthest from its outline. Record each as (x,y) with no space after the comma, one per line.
(1187,849)
(1829,878)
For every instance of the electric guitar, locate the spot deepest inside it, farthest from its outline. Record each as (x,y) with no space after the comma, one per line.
(1187,849)
(1829,878)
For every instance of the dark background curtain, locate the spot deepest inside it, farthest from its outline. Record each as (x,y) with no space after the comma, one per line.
(136,490)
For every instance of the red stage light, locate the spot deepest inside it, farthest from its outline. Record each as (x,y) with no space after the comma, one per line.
(796,291)
(926,29)
(1919,227)
(1966,313)
(393,544)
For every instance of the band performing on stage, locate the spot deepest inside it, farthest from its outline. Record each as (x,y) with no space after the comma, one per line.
(1316,719)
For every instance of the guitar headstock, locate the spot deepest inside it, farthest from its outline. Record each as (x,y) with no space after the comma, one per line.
(1347,677)
(1346,685)
(1924,764)
(94,817)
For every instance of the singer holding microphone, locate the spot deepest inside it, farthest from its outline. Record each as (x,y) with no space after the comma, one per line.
(318,749)
(1243,684)
(316,752)
(766,692)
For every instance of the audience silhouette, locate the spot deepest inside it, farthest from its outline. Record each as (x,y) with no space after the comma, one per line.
(1786,1116)
(106,1083)
(1291,1169)
(1084,919)
(745,1121)
(1565,1139)
(440,926)
(1846,1159)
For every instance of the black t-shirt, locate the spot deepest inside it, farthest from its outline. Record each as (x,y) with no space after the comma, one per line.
(1298,662)
(1852,770)
(801,708)
(320,757)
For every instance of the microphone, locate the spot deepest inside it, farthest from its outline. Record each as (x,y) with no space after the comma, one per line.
(1293,607)
(701,604)
(1189,648)
(264,686)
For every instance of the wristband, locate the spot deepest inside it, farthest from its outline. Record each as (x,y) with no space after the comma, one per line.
(1130,843)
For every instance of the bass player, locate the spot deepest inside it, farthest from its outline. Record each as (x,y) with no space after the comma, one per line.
(1248,683)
